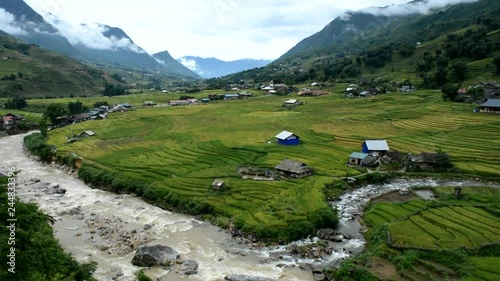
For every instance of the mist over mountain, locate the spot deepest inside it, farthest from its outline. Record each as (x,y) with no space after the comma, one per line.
(165,59)
(212,67)
(94,42)
(20,20)
(364,22)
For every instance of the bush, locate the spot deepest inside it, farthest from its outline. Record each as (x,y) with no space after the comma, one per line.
(37,145)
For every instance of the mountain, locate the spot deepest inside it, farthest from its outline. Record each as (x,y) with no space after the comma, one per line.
(337,31)
(212,67)
(24,23)
(416,21)
(30,71)
(95,43)
(167,61)
(418,43)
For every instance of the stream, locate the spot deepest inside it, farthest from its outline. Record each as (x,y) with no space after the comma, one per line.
(107,228)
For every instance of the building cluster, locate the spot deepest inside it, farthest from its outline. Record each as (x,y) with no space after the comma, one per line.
(10,121)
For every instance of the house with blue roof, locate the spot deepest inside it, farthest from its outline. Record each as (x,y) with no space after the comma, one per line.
(356,158)
(375,147)
(491,105)
(288,138)
(231,96)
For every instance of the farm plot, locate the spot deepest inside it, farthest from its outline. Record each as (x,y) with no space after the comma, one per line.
(446,227)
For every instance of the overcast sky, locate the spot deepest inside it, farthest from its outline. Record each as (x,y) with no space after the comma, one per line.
(225,29)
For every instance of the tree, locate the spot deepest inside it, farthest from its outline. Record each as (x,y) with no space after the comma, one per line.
(449,92)
(101,103)
(117,77)
(43,127)
(459,70)
(54,111)
(407,50)
(112,90)
(75,107)
(16,103)
(442,61)
(476,93)
(443,161)
(496,60)
(441,75)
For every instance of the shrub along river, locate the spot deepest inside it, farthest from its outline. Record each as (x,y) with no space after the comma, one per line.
(107,228)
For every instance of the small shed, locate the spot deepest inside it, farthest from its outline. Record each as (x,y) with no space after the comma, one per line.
(293,169)
(365,94)
(491,105)
(288,138)
(231,96)
(218,184)
(178,102)
(356,158)
(375,147)
(87,134)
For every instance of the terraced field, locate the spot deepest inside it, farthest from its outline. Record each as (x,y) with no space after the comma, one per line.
(183,149)
(486,269)
(445,239)
(447,227)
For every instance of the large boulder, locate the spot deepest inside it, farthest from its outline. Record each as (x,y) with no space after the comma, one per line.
(246,278)
(189,267)
(147,256)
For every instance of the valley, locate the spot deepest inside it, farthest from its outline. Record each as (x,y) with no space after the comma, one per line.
(366,151)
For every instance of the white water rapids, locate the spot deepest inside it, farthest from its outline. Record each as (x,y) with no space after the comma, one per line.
(217,253)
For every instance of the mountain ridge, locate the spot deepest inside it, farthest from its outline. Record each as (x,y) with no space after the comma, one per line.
(212,67)
(112,46)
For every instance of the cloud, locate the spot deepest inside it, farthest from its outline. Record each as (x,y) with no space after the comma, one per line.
(225,29)
(9,24)
(421,7)
(191,64)
(91,35)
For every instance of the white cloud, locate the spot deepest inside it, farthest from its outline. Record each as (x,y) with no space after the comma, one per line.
(90,35)
(9,24)
(225,29)
(191,64)
(413,8)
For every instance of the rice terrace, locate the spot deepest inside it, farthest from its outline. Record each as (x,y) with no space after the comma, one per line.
(171,156)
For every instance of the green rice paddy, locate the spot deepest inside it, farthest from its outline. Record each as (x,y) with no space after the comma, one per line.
(183,149)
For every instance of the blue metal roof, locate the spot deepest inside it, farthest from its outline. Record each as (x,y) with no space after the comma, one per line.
(358,155)
(491,103)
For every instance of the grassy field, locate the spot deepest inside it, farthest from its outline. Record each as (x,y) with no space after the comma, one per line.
(183,149)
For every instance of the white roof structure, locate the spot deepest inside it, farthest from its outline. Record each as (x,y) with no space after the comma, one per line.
(90,133)
(284,135)
(377,145)
(291,101)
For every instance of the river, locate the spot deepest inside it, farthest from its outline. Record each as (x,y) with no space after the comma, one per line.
(107,228)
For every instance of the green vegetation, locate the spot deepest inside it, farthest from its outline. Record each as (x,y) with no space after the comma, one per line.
(16,103)
(30,71)
(447,239)
(38,255)
(171,155)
